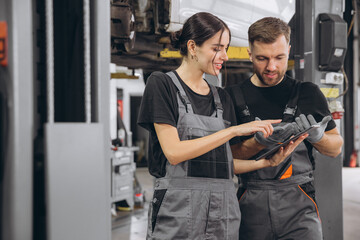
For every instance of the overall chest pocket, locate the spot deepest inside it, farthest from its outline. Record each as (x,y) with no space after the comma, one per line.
(213,164)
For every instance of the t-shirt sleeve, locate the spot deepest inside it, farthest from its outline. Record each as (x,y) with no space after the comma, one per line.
(158,103)
(314,102)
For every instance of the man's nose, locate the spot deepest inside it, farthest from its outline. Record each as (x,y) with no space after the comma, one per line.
(271,66)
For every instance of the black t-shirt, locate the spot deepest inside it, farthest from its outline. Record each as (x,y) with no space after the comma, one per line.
(270,102)
(159,105)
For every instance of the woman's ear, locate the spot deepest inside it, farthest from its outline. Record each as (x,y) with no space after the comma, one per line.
(191,46)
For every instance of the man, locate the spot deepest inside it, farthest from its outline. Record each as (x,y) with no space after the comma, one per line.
(279,202)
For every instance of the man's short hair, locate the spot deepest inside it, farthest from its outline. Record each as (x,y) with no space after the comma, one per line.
(267,30)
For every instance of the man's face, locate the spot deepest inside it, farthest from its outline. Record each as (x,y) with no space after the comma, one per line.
(269,61)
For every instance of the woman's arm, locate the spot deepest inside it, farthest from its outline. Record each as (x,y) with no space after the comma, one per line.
(243,166)
(177,151)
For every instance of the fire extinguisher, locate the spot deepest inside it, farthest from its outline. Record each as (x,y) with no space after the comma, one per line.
(353,159)
(4,111)
(3,44)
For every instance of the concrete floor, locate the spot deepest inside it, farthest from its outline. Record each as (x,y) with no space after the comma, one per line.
(132,225)
(351,203)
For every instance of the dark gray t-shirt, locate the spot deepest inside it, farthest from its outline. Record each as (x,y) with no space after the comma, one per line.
(270,102)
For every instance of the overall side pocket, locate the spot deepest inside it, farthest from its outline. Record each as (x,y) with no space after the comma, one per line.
(309,191)
(156,204)
(240,193)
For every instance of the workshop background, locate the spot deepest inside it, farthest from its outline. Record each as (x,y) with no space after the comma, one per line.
(73,162)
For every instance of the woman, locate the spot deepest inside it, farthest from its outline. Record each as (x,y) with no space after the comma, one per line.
(189,124)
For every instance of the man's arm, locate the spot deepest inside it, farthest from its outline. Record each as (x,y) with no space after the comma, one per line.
(250,147)
(243,166)
(246,149)
(330,144)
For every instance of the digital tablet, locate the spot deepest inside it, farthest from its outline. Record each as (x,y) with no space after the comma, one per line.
(271,151)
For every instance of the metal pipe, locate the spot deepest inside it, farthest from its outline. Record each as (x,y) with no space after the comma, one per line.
(356,80)
(50,60)
(87,60)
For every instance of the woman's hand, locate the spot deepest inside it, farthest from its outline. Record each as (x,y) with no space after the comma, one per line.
(283,153)
(255,126)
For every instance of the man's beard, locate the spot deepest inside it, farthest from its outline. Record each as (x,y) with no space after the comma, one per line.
(269,83)
(260,78)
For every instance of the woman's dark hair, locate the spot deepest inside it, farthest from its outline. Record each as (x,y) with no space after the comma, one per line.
(199,28)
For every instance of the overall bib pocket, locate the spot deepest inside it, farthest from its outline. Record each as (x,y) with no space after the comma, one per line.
(213,164)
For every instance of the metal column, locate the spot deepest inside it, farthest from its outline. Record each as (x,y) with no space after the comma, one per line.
(16,186)
(328,178)
(351,98)
(356,82)
(77,156)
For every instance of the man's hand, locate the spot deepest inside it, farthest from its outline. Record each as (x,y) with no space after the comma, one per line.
(315,135)
(282,131)
(283,153)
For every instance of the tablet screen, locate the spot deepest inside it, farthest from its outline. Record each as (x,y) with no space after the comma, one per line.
(272,150)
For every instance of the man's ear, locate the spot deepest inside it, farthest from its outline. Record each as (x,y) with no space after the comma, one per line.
(249,52)
(289,48)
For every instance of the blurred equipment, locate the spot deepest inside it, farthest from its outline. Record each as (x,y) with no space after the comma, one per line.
(122,176)
(332,42)
(336,109)
(122,26)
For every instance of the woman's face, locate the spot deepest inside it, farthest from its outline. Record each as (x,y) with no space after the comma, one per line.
(211,54)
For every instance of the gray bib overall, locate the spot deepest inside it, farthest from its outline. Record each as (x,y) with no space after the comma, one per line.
(279,202)
(196,199)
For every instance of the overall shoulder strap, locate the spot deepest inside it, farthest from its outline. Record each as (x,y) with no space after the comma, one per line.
(217,101)
(183,100)
(291,106)
(289,114)
(242,110)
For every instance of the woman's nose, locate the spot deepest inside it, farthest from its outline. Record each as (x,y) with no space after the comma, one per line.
(224,55)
